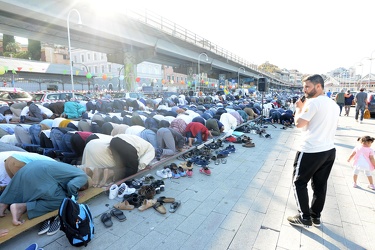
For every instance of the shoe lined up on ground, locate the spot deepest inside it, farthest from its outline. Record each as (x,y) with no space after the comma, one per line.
(124,189)
(54,226)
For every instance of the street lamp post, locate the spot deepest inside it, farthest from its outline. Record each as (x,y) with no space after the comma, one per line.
(365,58)
(199,69)
(87,71)
(70,48)
(238,76)
(119,74)
(369,76)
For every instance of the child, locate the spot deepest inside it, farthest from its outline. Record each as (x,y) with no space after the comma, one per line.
(363,159)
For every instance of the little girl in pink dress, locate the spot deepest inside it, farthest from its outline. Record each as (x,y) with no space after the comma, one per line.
(363,156)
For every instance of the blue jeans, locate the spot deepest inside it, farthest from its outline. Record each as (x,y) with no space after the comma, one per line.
(198,137)
(34,132)
(359,108)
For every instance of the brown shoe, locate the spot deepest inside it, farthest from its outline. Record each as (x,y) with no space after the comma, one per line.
(160,208)
(146,204)
(248,145)
(124,205)
(164,199)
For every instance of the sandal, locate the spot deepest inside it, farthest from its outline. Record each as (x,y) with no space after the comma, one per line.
(125,205)
(160,208)
(118,214)
(174,206)
(106,219)
(164,199)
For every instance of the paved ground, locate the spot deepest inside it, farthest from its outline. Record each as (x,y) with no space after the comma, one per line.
(242,205)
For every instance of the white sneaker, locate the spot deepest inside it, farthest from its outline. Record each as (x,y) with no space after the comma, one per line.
(162,173)
(360,122)
(124,190)
(169,173)
(113,191)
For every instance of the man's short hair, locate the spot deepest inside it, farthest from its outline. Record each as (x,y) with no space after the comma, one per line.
(315,79)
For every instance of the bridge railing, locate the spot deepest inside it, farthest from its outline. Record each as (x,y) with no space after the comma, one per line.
(156,21)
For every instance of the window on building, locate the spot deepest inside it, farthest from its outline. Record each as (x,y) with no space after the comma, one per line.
(109,68)
(95,57)
(90,69)
(75,59)
(103,69)
(101,56)
(96,69)
(172,78)
(169,78)
(88,57)
(82,58)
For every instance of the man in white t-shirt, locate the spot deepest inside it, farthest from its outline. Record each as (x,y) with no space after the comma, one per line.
(317,117)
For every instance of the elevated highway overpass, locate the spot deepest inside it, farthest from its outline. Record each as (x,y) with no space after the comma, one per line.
(126,37)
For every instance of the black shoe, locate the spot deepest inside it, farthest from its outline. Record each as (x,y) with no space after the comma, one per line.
(54,226)
(298,221)
(315,221)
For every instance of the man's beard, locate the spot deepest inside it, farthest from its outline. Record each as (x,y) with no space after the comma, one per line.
(311,94)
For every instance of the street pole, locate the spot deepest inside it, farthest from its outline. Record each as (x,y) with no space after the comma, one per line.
(199,69)
(69,46)
(369,76)
(238,76)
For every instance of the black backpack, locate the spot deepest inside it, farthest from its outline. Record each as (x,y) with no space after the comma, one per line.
(76,222)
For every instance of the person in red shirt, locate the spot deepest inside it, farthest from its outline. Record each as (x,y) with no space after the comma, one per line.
(196,133)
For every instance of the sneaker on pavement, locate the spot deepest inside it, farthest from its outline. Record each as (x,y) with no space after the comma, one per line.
(113,191)
(124,190)
(162,173)
(205,170)
(169,172)
(54,226)
(371,186)
(44,227)
(189,172)
(355,185)
(315,221)
(298,221)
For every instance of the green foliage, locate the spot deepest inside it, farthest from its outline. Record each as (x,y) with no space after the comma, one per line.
(13,47)
(22,54)
(34,48)
(7,39)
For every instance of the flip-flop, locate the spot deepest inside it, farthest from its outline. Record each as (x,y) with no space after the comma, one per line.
(174,206)
(118,214)
(106,219)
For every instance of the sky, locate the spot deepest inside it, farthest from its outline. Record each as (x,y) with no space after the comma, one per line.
(310,36)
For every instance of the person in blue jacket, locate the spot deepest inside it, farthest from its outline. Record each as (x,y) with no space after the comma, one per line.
(73,109)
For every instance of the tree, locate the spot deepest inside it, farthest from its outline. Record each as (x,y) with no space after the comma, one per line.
(6,40)
(13,47)
(34,49)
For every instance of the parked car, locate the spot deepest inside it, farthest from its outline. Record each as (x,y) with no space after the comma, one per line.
(11,95)
(371,103)
(128,95)
(43,97)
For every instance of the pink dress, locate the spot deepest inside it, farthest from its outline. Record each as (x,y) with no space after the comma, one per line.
(362,158)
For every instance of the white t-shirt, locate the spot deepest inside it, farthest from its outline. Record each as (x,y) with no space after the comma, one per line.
(322,113)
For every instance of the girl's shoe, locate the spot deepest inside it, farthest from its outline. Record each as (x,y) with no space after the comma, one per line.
(355,185)
(181,171)
(205,170)
(371,186)
(189,172)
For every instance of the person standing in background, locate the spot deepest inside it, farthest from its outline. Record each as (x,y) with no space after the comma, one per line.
(360,104)
(340,100)
(329,93)
(317,117)
(348,102)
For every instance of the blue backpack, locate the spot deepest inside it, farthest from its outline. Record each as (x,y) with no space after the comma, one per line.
(76,222)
